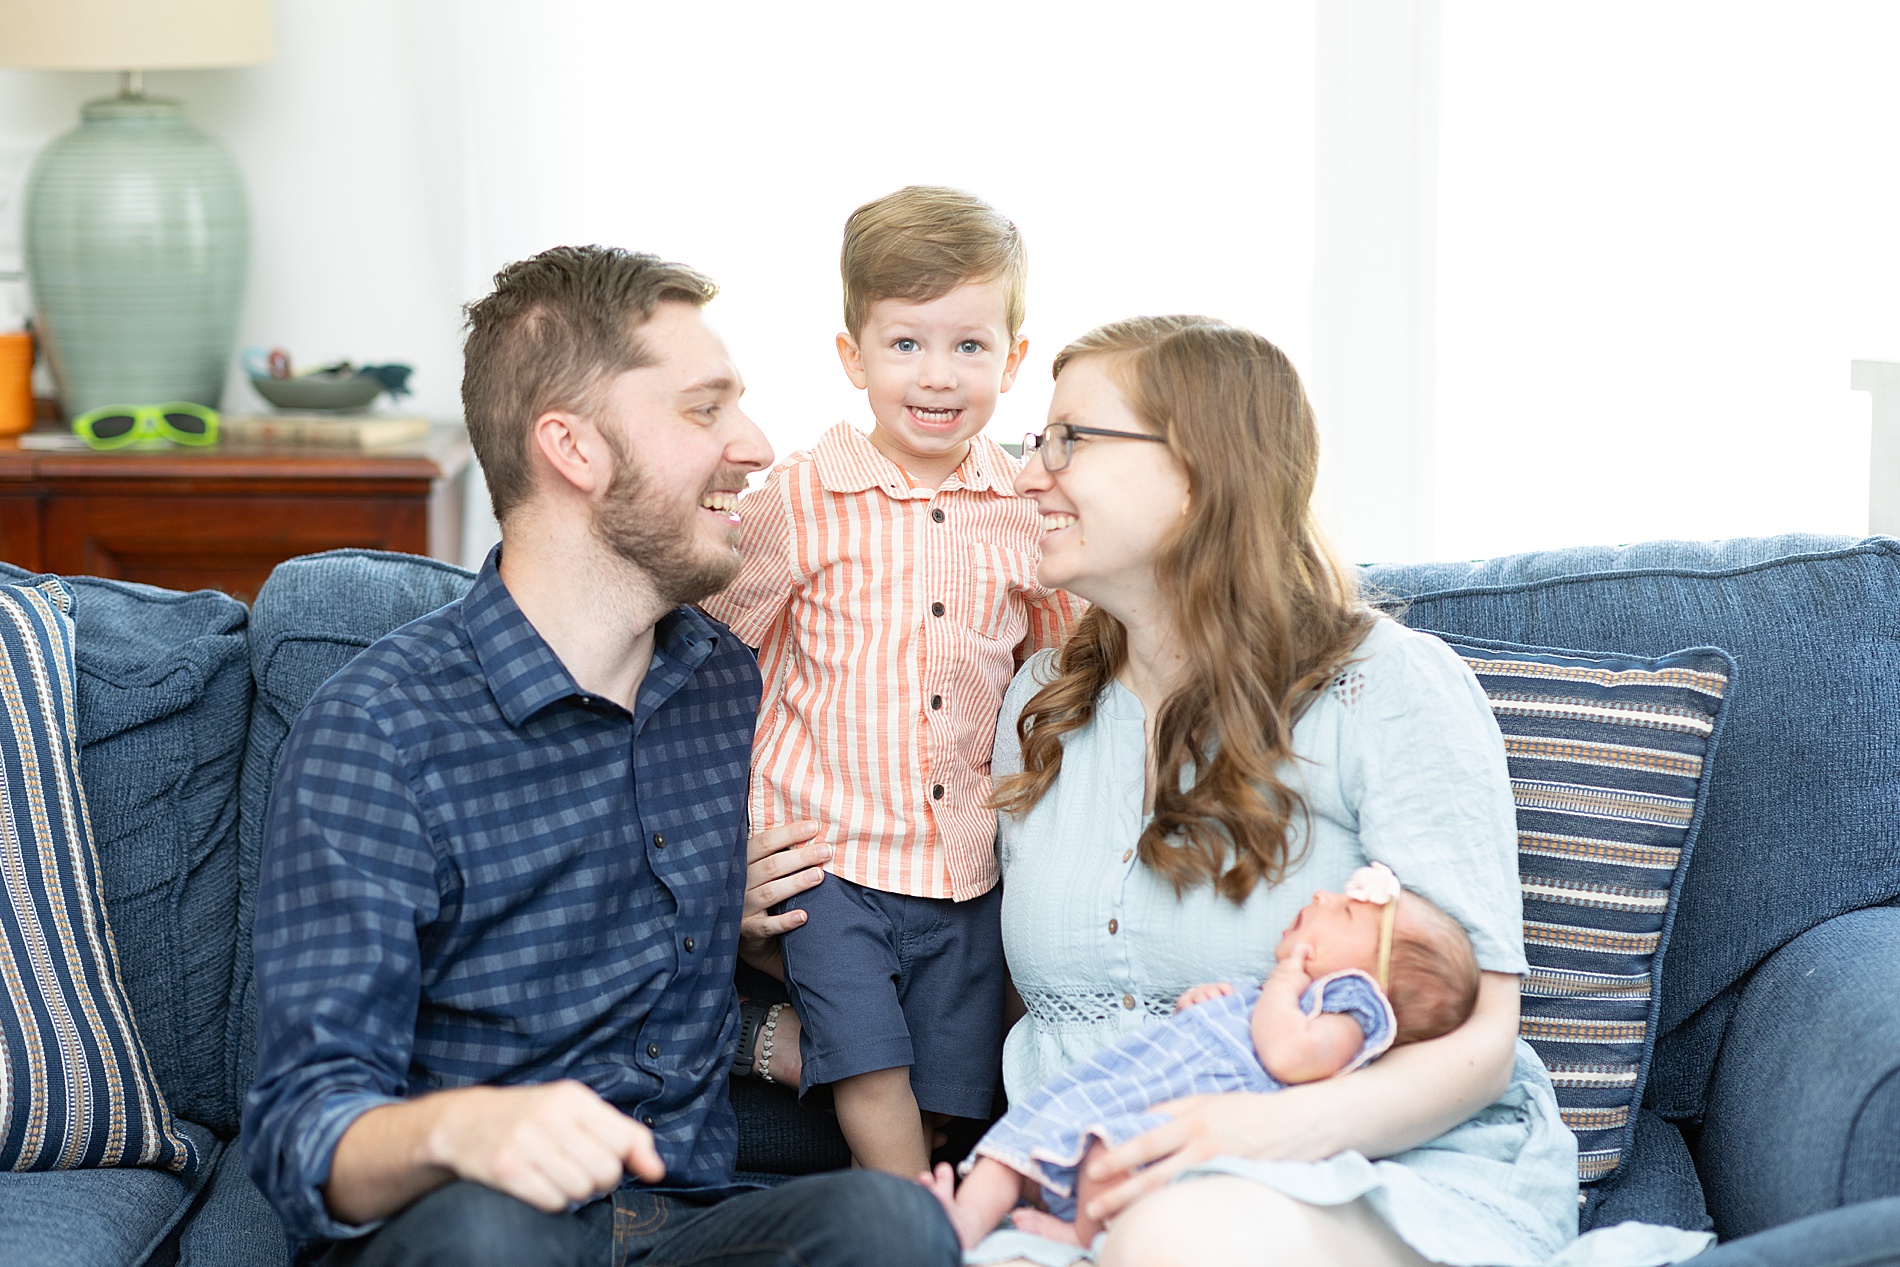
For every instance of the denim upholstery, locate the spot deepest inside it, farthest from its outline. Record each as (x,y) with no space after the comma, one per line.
(164,694)
(1801,825)
(99,1218)
(1802,821)
(1805,1110)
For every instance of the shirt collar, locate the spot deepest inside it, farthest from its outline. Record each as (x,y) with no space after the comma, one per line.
(848,462)
(526,676)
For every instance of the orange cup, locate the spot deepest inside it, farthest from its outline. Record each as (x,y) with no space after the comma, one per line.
(16,383)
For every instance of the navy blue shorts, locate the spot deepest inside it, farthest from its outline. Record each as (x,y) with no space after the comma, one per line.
(881,980)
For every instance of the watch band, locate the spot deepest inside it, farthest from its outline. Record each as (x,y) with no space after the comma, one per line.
(751,1018)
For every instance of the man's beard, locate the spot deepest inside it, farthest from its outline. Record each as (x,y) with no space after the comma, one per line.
(659,544)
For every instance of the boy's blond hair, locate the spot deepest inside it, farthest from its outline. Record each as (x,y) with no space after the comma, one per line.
(923,242)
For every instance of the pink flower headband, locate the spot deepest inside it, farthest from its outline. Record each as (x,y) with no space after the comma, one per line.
(1376,883)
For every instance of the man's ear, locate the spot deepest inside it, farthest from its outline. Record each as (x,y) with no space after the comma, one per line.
(851,359)
(573,449)
(1013,363)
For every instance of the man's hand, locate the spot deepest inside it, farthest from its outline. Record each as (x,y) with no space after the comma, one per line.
(781,862)
(550,1145)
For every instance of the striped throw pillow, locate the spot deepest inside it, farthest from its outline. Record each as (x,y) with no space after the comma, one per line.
(76,1087)
(1609,758)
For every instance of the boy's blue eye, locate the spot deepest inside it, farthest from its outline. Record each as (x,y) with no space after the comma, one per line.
(969,347)
(905,345)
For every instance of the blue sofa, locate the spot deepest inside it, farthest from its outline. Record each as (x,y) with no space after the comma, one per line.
(1774,1096)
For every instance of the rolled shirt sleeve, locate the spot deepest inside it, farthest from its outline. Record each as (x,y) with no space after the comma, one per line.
(347,879)
(1424,769)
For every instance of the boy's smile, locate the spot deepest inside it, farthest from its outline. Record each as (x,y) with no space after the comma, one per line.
(932,372)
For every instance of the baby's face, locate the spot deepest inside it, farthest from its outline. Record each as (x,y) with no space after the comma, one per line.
(1343,933)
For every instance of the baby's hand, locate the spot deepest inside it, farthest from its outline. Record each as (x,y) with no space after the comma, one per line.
(1292,969)
(1202,993)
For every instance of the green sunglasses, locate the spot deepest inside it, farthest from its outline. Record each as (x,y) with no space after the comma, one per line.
(116,426)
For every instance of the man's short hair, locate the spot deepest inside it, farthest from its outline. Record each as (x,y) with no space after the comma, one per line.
(552,333)
(923,242)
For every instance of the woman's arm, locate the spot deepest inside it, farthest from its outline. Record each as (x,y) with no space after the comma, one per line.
(1400,1101)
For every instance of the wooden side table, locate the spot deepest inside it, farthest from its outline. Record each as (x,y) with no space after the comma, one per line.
(223,517)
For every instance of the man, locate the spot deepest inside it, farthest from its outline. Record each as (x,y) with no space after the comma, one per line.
(505,869)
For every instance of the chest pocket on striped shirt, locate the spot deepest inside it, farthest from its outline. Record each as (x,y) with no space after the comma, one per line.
(997,578)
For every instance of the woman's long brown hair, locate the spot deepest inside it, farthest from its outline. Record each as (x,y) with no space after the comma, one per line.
(1265,615)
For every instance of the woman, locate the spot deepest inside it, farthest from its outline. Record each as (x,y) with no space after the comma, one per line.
(1227,730)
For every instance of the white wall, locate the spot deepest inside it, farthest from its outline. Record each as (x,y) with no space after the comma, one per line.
(1666,229)
(1659,232)
(399,151)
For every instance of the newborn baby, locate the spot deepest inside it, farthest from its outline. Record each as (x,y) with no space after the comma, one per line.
(1354,973)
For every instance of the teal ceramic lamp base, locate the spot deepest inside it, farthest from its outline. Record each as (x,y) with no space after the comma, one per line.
(137,241)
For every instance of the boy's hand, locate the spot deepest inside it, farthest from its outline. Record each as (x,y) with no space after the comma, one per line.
(781,862)
(1202,993)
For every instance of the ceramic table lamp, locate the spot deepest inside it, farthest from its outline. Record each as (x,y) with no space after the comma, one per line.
(137,233)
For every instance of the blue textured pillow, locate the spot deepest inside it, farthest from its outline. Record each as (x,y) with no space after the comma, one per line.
(78,1089)
(1609,757)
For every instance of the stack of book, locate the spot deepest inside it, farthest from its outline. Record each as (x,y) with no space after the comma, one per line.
(341,431)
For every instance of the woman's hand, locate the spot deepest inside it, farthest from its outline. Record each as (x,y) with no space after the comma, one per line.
(1295,1125)
(781,862)
(1379,1110)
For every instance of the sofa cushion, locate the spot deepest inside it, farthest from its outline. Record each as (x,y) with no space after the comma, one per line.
(98,1218)
(1804,1109)
(312,616)
(1607,756)
(233,1226)
(164,698)
(77,1089)
(1803,813)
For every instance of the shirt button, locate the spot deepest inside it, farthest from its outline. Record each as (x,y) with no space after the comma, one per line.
(936,701)
(936,609)
(1127,854)
(659,840)
(647,1118)
(936,791)
(1113,926)
(653,1052)
(689,945)
(937,515)
(1128,1001)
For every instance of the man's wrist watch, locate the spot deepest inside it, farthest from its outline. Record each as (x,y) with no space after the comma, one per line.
(751,1020)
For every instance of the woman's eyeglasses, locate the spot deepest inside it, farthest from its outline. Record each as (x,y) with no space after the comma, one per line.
(1056,442)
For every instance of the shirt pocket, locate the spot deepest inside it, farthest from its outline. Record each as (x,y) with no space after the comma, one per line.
(998,576)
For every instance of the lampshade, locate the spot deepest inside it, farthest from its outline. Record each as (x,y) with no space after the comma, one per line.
(133,34)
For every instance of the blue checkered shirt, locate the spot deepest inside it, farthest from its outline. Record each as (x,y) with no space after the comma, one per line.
(475,872)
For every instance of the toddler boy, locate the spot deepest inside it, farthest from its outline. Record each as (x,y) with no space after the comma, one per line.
(889,584)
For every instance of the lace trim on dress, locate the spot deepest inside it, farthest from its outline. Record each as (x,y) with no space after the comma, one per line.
(1087,1009)
(1349,686)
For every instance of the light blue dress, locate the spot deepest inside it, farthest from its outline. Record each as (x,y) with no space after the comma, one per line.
(1398,762)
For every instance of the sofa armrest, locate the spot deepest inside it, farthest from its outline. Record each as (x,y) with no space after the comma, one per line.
(1804,1104)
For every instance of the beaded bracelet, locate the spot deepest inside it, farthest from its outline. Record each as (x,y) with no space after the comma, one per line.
(763,1065)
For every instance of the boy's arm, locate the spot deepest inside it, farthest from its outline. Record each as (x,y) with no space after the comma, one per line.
(1293,1046)
(754,603)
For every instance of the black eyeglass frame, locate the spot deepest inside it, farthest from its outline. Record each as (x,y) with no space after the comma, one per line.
(1033,442)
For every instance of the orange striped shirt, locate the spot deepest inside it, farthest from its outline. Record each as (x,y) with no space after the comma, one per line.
(889,620)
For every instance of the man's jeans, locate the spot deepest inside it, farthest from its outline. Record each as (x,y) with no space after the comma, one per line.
(846,1219)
